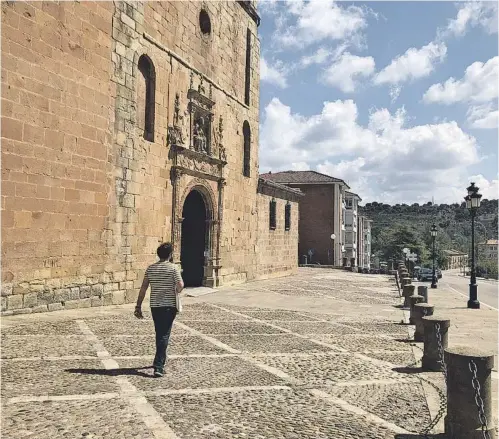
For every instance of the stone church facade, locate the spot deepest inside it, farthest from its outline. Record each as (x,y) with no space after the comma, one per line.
(126,124)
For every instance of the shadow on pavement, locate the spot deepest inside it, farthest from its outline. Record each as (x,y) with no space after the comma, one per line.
(113,372)
(406,340)
(408,370)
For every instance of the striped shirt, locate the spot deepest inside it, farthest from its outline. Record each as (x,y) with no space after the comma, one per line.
(163,278)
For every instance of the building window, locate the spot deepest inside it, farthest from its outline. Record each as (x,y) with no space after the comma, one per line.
(146,97)
(246,148)
(272,216)
(348,203)
(247,81)
(204,22)
(287,216)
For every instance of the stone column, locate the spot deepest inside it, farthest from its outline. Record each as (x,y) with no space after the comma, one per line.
(423,291)
(462,420)
(421,310)
(413,300)
(431,354)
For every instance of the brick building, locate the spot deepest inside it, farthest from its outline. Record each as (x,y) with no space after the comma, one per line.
(322,214)
(125,124)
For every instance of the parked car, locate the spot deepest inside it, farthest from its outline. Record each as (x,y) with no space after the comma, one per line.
(438,273)
(425,274)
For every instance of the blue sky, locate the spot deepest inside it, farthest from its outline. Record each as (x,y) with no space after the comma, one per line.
(364,92)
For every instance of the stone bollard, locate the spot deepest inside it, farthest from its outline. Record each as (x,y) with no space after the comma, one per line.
(431,354)
(462,420)
(413,300)
(423,291)
(421,310)
(407,292)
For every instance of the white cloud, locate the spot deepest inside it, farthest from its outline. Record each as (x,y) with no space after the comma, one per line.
(385,159)
(276,74)
(319,20)
(488,188)
(479,84)
(347,69)
(483,117)
(413,64)
(395,92)
(472,14)
(478,88)
(319,57)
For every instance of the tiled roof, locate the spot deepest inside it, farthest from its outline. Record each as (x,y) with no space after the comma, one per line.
(490,242)
(282,187)
(352,194)
(289,177)
(454,253)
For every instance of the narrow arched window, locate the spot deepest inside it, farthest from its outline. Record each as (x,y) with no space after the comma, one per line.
(247,148)
(247,70)
(146,91)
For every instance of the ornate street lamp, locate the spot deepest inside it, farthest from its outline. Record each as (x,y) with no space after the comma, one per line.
(433,232)
(473,203)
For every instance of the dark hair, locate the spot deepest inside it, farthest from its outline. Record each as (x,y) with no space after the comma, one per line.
(164,251)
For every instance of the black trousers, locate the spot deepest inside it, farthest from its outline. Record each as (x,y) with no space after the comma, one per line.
(163,318)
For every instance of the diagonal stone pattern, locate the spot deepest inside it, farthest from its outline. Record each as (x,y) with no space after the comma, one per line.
(234,371)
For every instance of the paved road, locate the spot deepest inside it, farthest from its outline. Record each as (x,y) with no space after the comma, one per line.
(487,289)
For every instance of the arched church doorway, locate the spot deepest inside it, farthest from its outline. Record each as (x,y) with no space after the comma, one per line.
(193,242)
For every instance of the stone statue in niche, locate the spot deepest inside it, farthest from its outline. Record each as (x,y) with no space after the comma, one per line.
(199,136)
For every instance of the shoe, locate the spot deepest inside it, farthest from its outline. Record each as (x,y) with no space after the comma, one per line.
(158,373)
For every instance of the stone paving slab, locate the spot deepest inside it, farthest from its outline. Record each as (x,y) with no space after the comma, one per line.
(198,373)
(379,328)
(43,328)
(360,342)
(110,419)
(141,345)
(317,328)
(397,358)
(42,377)
(216,327)
(22,346)
(400,403)
(280,343)
(329,369)
(278,315)
(107,327)
(282,414)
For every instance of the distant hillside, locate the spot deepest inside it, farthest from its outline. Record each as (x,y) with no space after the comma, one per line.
(409,225)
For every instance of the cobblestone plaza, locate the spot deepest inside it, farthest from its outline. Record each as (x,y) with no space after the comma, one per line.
(318,355)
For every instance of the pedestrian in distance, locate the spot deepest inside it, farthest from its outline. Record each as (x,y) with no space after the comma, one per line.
(166,284)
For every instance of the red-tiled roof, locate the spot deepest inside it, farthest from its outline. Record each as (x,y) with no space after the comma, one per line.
(289,177)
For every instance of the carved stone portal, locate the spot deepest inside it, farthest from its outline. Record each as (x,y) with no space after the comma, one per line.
(200,109)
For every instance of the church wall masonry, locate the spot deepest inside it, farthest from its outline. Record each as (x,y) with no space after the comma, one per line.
(112,113)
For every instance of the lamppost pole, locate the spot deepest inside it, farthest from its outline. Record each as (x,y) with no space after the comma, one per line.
(333,237)
(433,236)
(473,203)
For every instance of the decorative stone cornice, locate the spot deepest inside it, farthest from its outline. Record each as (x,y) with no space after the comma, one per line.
(251,10)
